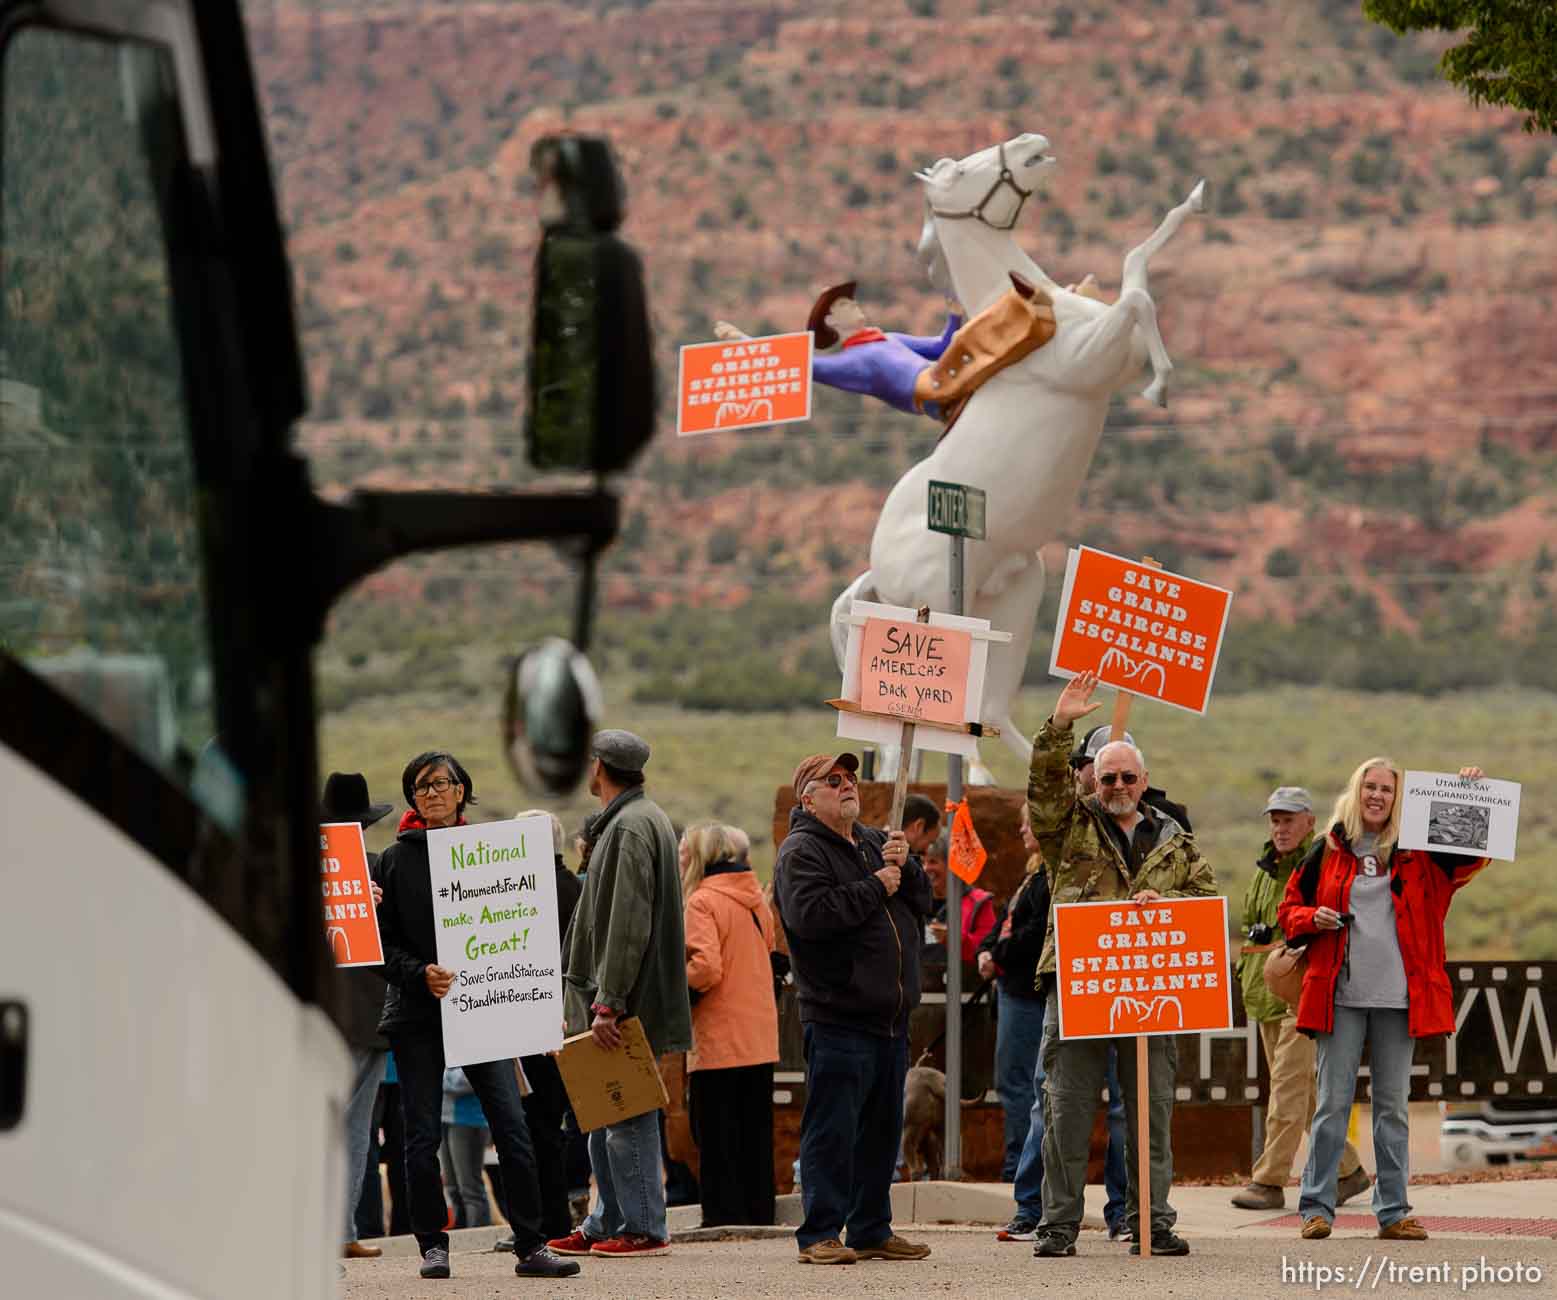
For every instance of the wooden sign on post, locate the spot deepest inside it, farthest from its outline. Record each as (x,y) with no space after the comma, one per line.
(1140,628)
(1156,634)
(1126,968)
(913,671)
(914,678)
(350,918)
(744,383)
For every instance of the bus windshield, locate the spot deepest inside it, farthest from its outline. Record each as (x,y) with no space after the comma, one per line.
(99,518)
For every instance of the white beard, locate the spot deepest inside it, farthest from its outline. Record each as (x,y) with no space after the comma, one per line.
(1119,805)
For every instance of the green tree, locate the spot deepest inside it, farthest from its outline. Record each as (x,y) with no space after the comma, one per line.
(1509,56)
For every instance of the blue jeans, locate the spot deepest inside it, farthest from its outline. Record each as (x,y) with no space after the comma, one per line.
(1018,1076)
(460,1157)
(849,1134)
(1116,1177)
(419,1060)
(1027,1184)
(629,1191)
(1390,1048)
(367,1073)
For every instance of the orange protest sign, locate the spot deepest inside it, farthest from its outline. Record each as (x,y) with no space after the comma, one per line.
(915,671)
(1125,968)
(350,919)
(744,384)
(965,853)
(1143,630)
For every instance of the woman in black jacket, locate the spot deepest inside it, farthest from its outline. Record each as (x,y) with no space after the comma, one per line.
(1009,955)
(438,789)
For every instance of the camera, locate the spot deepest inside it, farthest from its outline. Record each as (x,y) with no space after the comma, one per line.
(1261,933)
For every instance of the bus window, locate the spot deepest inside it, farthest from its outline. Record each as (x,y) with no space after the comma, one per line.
(100,545)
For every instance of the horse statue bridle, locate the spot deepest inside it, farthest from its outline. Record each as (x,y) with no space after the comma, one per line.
(1007,179)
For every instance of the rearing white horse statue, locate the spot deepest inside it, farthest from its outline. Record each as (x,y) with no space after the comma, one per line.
(1028,435)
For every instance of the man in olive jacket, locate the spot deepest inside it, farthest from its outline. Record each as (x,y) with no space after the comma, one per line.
(1288,1053)
(1109,845)
(625,955)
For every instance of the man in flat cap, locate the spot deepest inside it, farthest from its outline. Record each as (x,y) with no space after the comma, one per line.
(625,955)
(1288,1054)
(853,903)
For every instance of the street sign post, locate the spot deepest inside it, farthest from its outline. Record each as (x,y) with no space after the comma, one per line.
(957,510)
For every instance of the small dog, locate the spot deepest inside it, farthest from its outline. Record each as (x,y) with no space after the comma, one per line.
(924,1118)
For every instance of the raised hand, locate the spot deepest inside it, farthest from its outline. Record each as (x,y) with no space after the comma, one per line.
(1076,699)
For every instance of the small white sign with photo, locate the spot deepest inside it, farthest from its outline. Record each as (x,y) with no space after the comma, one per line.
(1441,812)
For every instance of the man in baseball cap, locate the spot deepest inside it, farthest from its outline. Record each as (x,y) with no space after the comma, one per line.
(1289,812)
(1083,758)
(624,955)
(818,766)
(853,903)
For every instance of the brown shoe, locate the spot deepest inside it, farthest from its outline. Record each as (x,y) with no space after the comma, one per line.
(1354,1183)
(894,1247)
(1260,1196)
(1403,1230)
(831,1251)
(1316,1228)
(356,1250)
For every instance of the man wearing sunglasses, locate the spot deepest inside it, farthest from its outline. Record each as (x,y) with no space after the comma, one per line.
(1085,754)
(1101,847)
(853,903)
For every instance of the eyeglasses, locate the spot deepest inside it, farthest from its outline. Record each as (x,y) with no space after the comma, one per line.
(438,785)
(835,779)
(1119,778)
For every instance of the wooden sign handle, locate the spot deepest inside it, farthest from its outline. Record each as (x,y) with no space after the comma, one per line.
(1143,1173)
(905,757)
(1121,719)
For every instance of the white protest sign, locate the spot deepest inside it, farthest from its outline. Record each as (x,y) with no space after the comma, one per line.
(495,913)
(1441,812)
(887,729)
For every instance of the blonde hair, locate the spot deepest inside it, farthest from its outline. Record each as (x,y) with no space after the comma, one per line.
(707,843)
(556,827)
(1348,808)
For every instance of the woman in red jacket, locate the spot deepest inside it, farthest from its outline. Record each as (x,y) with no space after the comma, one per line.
(1372,917)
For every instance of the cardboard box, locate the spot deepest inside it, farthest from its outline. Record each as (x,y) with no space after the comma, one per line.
(608,1087)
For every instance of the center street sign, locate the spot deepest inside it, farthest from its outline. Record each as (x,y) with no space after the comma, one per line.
(957,510)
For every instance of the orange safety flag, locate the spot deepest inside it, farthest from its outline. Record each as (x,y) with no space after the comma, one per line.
(966,855)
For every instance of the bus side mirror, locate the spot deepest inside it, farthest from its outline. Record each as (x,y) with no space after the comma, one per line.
(591,392)
(551,709)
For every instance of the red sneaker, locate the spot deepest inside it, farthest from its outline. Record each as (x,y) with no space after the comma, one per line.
(576,1242)
(629,1245)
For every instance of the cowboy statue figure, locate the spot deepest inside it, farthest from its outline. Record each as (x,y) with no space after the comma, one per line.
(918,373)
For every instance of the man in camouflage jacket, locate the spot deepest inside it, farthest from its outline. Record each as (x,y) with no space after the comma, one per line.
(1104,846)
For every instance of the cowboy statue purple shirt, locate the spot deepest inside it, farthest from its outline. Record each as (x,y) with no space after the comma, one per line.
(884,367)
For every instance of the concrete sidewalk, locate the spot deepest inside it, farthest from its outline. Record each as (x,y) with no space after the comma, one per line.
(1514,1209)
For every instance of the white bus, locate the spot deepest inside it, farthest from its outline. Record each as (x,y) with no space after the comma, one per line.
(171,1083)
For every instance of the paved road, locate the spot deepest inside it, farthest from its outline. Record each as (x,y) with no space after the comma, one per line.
(969,1263)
